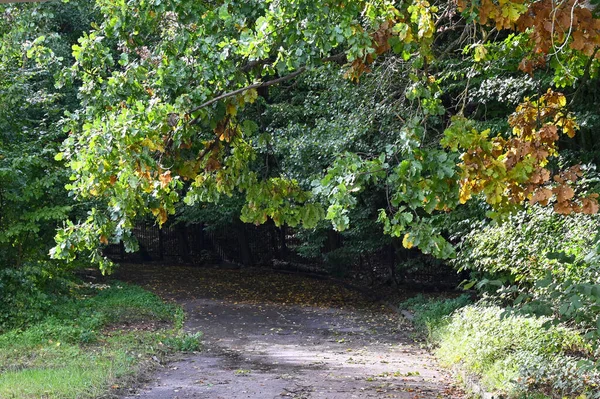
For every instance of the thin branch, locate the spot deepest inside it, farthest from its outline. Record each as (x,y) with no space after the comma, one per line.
(370,172)
(207,150)
(243,89)
(334,58)
(457,43)
(250,65)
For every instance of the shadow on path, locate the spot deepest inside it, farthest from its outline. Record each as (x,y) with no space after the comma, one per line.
(279,336)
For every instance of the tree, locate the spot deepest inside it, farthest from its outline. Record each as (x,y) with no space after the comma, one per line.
(170,93)
(35,43)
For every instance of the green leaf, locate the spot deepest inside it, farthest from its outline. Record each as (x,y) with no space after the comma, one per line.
(224,12)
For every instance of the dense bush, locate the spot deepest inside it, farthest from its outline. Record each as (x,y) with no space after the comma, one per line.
(513,354)
(537,262)
(431,314)
(519,355)
(35,44)
(524,247)
(27,294)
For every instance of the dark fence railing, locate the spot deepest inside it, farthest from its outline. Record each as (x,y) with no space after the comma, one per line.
(267,245)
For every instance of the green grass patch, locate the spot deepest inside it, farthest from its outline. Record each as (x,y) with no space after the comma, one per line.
(91,344)
(517,355)
(430,314)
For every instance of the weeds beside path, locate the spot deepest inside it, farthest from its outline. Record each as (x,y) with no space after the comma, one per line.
(269,335)
(90,344)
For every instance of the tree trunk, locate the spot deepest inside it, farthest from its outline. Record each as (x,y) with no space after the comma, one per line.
(273,235)
(284,250)
(392,264)
(334,241)
(161,249)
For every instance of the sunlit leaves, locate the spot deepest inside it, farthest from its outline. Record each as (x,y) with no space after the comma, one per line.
(174,97)
(503,13)
(510,171)
(559,32)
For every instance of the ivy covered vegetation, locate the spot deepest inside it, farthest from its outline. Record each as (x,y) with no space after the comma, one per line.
(464,129)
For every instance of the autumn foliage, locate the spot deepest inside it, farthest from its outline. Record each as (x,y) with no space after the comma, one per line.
(511,170)
(551,26)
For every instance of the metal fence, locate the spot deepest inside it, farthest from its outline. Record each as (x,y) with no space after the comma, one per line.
(269,246)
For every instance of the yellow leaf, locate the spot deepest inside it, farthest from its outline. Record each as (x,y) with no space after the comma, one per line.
(250,95)
(152,146)
(562,100)
(480,53)
(465,194)
(161,215)
(406,242)
(149,144)
(231,109)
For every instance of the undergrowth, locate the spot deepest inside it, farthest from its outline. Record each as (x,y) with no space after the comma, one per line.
(90,345)
(431,314)
(519,356)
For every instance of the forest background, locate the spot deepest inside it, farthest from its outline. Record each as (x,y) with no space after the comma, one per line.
(464,129)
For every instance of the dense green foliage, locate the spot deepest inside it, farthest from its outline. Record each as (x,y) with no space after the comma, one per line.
(194,132)
(518,355)
(80,347)
(540,263)
(35,45)
(372,126)
(507,353)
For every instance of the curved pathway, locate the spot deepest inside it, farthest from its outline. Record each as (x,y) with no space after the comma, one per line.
(276,336)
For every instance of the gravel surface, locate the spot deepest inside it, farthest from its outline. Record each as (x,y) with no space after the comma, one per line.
(273,336)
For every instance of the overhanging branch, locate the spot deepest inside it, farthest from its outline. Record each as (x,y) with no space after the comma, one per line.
(339,58)
(243,89)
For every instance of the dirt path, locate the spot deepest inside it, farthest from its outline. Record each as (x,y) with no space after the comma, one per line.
(273,336)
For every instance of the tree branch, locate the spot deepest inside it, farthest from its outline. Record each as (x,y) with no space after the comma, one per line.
(248,67)
(338,58)
(243,89)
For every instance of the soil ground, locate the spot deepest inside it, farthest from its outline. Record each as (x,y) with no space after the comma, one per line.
(268,335)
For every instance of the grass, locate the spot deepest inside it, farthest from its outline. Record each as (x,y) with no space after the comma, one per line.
(516,355)
(430,314)
(91,345)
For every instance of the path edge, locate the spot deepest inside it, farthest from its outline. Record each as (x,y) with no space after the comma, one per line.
(470,382)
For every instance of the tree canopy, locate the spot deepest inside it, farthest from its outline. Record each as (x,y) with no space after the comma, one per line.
(358,130)
(172,95)
(426,104)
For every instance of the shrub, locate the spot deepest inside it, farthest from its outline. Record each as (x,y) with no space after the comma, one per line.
(431,314)
(536,262)
(28,293)
(518,355)
(516,250)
